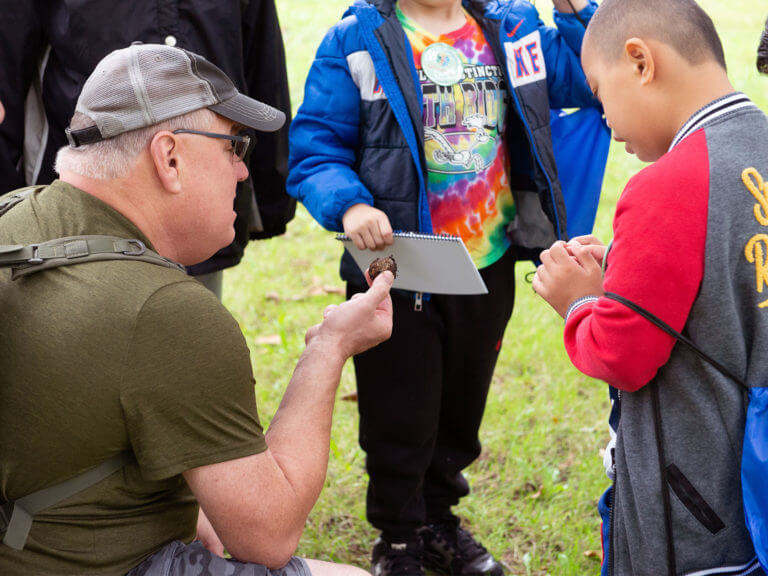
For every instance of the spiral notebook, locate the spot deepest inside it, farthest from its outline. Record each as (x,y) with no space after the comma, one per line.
(425,263)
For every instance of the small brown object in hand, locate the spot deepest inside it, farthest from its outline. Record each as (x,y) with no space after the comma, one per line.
(380,265)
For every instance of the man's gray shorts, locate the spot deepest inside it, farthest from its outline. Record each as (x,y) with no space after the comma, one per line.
(179,559)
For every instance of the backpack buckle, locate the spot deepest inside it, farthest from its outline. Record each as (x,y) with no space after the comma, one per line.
(35,258)
(140,248)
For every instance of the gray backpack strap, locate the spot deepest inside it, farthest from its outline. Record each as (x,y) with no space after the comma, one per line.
(16,515)
(9,201)
(25,260)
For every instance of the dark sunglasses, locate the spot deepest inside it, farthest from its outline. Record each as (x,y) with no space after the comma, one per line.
(239,143)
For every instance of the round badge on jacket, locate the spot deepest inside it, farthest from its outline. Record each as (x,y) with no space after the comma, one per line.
(442,64)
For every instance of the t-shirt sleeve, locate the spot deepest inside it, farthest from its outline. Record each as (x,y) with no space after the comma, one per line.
(188,391)
(656,261)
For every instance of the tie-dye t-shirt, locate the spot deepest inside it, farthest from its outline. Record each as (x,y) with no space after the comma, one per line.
(468,188)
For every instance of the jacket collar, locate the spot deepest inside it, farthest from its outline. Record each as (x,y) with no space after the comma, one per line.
(712,111)
(387,7)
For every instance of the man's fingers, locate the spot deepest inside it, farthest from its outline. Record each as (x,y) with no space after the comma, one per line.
(311,333)
(328,309)
(380,287)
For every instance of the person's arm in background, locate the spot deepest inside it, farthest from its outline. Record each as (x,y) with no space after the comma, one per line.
(561,45)
(258,505)
(21,45)
(762,52)
(266,80)
(2,113)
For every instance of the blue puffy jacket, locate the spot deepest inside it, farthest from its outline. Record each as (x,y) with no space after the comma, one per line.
(358,137)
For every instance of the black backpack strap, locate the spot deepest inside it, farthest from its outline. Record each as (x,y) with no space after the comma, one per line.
(652,318)
(25,260)
(672,332)
(16,515)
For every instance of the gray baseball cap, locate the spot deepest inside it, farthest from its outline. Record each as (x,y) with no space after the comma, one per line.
(146,84)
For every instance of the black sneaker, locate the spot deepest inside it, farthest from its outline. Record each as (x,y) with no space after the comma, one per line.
(453,551)
(397,558)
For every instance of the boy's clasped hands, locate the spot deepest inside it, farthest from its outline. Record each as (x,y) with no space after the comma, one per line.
(570,271)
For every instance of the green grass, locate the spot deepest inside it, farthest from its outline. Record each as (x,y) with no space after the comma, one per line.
(536,484)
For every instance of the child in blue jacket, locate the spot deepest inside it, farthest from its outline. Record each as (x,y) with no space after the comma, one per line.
(433,116)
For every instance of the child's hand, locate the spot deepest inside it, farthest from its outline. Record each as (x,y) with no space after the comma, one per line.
(567,272)
(367,227)
(591,243)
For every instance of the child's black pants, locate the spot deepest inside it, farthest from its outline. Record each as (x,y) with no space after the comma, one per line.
(421,399)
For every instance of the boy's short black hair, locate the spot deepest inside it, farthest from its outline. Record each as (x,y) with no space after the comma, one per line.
(681,24)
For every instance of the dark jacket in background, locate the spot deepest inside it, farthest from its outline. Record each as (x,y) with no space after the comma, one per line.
(762,51)
(52,46)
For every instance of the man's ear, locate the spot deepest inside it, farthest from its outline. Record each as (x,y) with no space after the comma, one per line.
(638,53)
(164,151)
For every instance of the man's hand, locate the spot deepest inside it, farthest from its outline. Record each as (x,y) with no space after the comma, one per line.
(2,113)
(564,7)
(360,323)
(207,535)
(592,244)
(567,272)
(367,227)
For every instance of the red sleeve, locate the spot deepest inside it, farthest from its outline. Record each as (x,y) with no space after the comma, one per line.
(657,261)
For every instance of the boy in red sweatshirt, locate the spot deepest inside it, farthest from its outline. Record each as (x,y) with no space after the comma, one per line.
(690,245)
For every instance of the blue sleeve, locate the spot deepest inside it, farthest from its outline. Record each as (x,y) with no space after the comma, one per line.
(324,139)
(566,83)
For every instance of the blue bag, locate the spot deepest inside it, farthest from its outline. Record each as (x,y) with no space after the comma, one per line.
(754,472)
(580,141)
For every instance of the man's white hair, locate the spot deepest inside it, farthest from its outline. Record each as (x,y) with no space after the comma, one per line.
(115,157)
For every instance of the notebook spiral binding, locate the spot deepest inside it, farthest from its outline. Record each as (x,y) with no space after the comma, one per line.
(416,235)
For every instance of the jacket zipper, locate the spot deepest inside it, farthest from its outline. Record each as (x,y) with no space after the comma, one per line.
(611,545)
(611,514)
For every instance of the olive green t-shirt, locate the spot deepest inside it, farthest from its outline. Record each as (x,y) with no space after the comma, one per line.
(100,358)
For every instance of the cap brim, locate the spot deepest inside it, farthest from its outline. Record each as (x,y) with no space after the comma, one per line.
(251,113)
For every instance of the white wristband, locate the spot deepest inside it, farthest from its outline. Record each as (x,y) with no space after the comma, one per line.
(578,303)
